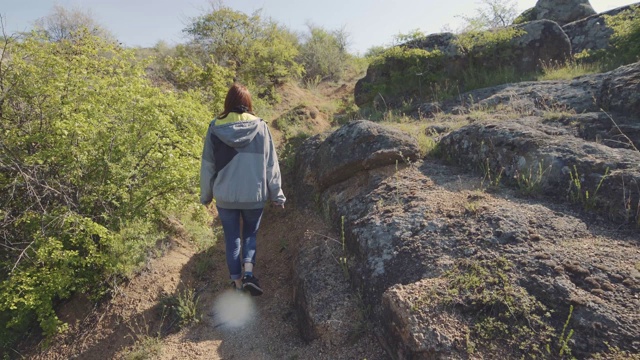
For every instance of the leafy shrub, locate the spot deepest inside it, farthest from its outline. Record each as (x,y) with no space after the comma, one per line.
(324,54)
(208,82)
(408,71)
(624,43)
(256,50)
(91,155)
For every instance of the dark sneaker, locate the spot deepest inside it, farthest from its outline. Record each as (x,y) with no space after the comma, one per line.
(250,284)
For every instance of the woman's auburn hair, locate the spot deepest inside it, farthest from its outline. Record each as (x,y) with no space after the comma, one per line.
(238,97)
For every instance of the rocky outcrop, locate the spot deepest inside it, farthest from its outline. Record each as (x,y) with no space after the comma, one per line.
(556,162)
(592,33)
(327,308)
(357,146)
(417,235)
(583,100)
(560,11)
(554,150)
(447,58)
(528,222)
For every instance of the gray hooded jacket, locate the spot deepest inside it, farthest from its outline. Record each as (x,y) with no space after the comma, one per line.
(240,166)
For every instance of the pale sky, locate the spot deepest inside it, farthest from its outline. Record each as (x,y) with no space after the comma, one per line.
(368,22)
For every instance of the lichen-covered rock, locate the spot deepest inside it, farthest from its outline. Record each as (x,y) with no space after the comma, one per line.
(563,11)
(561,164)
(418,335)
(359,145)
(616,91)
(326,306)
(414,233)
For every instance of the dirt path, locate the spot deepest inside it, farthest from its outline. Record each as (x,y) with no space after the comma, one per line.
(273,332)
(132,325)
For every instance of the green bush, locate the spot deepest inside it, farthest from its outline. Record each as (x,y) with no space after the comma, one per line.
(491,44)
(91,155)
(405,73)
(257,51)
(208,82)
(409,71)
(624,43)
(324,54)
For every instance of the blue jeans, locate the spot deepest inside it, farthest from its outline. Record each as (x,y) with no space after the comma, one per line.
(230,219)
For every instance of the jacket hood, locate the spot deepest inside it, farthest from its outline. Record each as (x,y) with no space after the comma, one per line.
(237,134)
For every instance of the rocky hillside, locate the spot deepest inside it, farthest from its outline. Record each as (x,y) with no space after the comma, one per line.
(518,235)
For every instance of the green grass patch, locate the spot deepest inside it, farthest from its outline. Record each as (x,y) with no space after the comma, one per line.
(502,315)
(566,71)
(181,308)
(145,348)
(415,129)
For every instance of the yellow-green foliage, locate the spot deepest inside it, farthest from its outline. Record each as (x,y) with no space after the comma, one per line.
(91,155)
(625,40)
(409,70)
(415,129)
(258,51)
(624,43)
(502,311)
(569,70)
(492,43)
(207,82)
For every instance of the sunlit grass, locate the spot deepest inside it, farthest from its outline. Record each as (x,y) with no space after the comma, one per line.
(573,69)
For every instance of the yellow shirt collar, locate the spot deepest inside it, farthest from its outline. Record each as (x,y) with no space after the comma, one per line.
(235,117)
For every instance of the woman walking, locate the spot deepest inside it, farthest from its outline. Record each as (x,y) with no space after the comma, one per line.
(240,171)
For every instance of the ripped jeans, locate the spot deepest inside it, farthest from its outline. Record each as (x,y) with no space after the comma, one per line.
(230,219)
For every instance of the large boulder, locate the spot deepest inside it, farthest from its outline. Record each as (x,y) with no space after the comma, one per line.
(563,11)
(406,72)
(360,145)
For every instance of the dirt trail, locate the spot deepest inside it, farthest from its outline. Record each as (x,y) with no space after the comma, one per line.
(273,334)
(129,324)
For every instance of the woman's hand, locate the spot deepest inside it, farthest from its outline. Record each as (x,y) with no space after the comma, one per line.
(277,204)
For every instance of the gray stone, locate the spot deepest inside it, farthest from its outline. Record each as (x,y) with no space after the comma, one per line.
(326,306)
(563,11)
(359,145)
(527,148)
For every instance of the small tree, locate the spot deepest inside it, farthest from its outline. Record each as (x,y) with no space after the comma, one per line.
(258,51)
(492,14)
(323,53)
(64,24)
